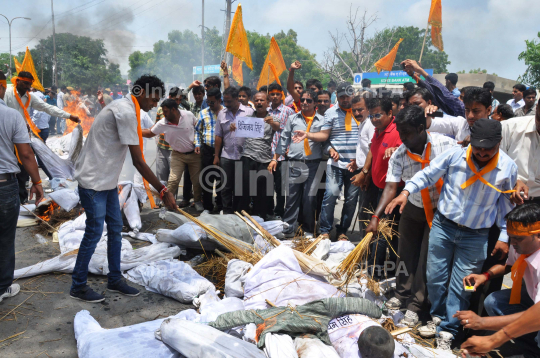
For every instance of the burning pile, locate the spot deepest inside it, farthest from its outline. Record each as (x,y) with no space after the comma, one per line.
(80,108)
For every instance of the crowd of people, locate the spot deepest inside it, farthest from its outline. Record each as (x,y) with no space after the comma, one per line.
(456,171)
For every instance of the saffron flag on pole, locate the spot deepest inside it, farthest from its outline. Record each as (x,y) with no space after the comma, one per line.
(238,44)
(28,66)
(387,62)
(274,57)
(17,64)
(237,71)
(435,20)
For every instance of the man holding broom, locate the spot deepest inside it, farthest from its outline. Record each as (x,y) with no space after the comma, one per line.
(116,129)
(418,148)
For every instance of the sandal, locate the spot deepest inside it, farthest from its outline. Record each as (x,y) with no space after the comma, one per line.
(343,237)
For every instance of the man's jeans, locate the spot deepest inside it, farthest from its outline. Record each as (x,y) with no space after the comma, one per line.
(9,212)
(498,304)
(335,179)
(100,207)
(302,190)
(230,195)
(454,252)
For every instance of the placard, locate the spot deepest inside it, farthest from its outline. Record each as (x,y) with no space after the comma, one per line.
(249,127)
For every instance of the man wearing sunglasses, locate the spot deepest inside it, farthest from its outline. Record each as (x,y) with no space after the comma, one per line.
(341,129)
(303,161)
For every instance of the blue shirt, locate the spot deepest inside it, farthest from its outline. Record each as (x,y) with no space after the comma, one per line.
(344,142)
(456,92)
(477,206)
(297,122)
(205,128)
(442,97)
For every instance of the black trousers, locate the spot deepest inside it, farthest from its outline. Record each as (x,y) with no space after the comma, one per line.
(207,180)
(255,176)
(9,212)
(412,250)
(279,208)
(229,196)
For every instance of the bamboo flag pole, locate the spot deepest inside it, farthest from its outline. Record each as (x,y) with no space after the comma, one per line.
(424,44)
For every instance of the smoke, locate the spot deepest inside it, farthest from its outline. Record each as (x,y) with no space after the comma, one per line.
(105,21)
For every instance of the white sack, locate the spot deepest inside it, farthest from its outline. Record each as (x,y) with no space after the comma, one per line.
(143,236)
(322,250)
(279,278)
(313,348)
(188,235)
(279,346)
(173,278)
(195,340)
(30,207)
(124,193)
(136,341)
(66,198)
(132,212)
(76,143)
(59,168)
(236,277)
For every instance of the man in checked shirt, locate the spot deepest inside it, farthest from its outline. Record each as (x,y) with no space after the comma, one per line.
(418,148)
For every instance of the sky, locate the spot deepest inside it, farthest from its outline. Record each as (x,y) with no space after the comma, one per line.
(489,34)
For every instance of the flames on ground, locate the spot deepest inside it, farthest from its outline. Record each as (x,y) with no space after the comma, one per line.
(46,212)
(79,108)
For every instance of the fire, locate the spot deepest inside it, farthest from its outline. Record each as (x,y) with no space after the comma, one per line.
(77,107)
(47,214)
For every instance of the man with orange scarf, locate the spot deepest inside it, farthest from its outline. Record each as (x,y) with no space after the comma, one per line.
(419,148)
(515,313)
(475,194)
(116,129)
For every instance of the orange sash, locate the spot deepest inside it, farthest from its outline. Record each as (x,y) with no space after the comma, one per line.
(348,119)
(295,107)
(426,199)
(141,144)
(3,83)
(478,175)
(32,125)
(309,121)
(518,270)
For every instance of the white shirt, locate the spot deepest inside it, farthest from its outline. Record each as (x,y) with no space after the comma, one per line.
(365,135)
(521,141)
(532,273)
(455,127)
(35,103)
(516,105)
(180,136)
(60,99)
(402,167)
(104,152)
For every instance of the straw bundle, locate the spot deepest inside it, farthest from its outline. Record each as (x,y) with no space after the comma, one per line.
(360,253)
(301,243)
(238,248)
(215,269)
(265,234)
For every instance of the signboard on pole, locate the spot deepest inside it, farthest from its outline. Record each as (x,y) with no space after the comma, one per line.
(197,70)
(357,78)
(386,77)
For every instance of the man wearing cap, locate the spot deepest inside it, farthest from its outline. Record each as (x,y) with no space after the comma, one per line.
(341,129)
(510,310)
(475,194)
(13,134)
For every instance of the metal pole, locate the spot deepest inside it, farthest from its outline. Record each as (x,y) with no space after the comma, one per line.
(202,36)
(42,65)
(55,72)
(228,59)
(9,24)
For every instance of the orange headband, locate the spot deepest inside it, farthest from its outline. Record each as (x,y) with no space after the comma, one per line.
(274,91)
(25,79)
(515,228)
(3,83)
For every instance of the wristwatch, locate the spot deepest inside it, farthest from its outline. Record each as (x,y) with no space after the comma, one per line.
(365,171)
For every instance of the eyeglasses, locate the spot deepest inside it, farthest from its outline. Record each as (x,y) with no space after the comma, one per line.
(307,100)
(323,101)
(211,103)
(206,85)
(376,116)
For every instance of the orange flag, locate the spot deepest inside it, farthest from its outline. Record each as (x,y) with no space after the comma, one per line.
(28,66)
(268,74)
(387,62)
(238,44)
(237,71)
(17,64)
(435,20)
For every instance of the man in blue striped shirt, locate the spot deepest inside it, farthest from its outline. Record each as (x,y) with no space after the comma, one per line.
(474,196)
(341,129)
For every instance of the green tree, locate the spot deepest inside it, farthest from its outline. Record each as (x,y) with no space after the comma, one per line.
(531,56)
(410,48)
